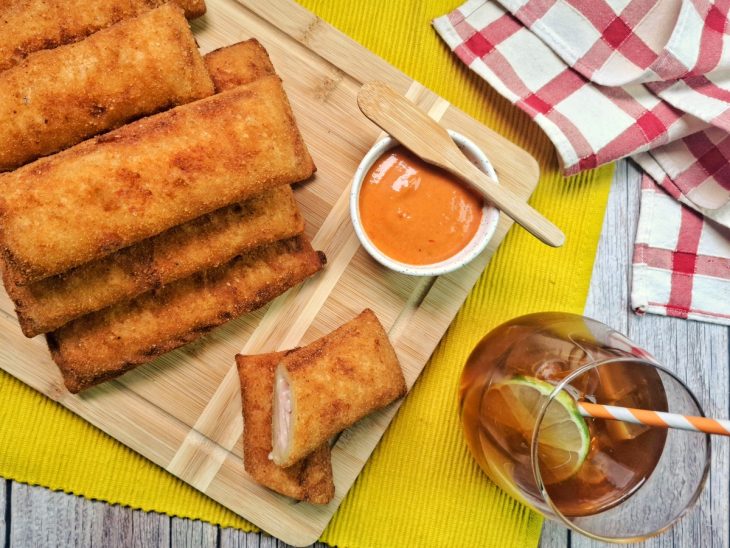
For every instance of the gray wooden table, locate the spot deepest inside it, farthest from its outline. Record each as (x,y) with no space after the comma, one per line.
(698,352)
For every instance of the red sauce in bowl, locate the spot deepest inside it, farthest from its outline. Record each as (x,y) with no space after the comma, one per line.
(414,212)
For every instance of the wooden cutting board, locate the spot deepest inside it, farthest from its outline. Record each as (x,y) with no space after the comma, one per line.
(183,411)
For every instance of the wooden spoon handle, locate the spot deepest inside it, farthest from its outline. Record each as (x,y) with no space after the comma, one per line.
(507,201)
(427,139)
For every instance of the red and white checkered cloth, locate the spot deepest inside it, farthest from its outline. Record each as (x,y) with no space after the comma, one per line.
(681,260)
(608,79)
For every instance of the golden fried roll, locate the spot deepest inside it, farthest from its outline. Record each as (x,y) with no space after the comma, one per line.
(57,98)
(200,244)
(132,183)
(311,478)
(105,344)
(31,25)
(327,386)
(238,64)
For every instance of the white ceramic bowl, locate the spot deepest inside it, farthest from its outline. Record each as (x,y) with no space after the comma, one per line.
(485,231)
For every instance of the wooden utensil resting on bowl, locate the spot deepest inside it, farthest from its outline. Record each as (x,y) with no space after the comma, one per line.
(426,138)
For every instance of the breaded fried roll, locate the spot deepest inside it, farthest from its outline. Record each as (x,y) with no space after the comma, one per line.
(57,98)
(141,179)
(105,344)
(311,478)
(329,385)
(238,64)
(200,244)
(31,25)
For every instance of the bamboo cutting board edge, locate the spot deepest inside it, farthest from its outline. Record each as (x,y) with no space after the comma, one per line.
(195,434)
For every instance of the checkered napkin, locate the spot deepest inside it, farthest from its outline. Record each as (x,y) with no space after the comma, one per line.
(646,79)
(681,260)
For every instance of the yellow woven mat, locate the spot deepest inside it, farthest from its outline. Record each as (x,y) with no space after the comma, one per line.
(420,487)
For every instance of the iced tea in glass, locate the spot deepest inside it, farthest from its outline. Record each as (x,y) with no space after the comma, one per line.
(609,480)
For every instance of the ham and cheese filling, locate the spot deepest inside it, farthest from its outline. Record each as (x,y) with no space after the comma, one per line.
(282,409)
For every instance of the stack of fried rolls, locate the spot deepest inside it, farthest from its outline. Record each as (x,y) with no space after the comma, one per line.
(294,402)
(140,240)
(27,26)
(134,68)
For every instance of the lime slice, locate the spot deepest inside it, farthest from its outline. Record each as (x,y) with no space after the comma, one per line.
(564,436)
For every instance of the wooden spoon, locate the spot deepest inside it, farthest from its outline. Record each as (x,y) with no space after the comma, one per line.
(426,138)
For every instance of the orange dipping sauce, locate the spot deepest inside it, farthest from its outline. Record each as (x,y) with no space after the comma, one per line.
(414,212)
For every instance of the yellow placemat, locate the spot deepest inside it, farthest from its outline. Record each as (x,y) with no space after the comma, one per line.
(420,487)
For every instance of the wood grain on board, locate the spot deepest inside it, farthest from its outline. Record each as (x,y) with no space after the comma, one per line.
(183,410)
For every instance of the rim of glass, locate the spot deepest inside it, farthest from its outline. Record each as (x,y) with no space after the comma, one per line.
(534,461)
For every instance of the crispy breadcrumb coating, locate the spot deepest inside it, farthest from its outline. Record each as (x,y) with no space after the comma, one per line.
(333,383)
(105,344)
(311,478)
(56,98)
(202,243)
(141,179)
(27,26)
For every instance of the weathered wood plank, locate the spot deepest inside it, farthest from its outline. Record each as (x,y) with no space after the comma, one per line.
(554,535)
(188,533)
(4,486)
(40,517)
(122,527)
(233,538)
(608,295)
(697,352)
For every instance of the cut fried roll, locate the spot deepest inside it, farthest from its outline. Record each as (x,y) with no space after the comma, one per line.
(105,344)
(327,386)
(130,184)
(238,64)
(57,98)
(203,243)
(27,26)
(311,478)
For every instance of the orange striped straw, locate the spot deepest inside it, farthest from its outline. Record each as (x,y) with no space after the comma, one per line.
(655,418)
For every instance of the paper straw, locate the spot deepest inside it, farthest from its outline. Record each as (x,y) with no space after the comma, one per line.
(655,418)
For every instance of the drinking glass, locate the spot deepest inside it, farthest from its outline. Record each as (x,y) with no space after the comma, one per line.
(608,480)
